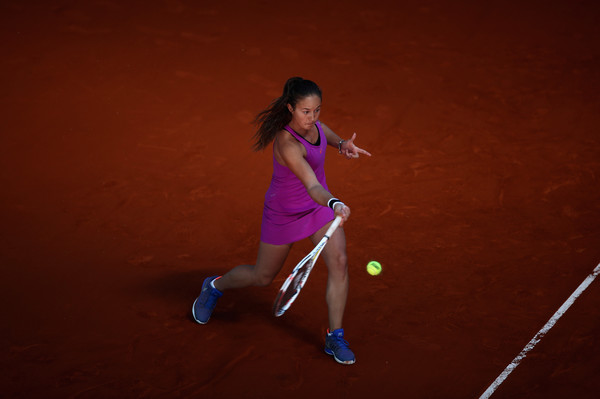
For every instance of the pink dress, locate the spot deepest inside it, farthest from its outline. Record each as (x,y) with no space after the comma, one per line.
(289,213)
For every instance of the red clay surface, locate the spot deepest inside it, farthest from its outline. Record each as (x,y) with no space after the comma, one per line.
(127,177)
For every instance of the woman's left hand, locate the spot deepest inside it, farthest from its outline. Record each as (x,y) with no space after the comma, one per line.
(350,150)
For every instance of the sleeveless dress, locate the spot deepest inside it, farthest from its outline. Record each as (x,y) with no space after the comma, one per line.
(289,214)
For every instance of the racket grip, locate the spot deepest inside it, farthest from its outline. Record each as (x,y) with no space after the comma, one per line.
(334,225)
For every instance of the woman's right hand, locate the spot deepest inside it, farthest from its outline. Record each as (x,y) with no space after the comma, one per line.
(342,210)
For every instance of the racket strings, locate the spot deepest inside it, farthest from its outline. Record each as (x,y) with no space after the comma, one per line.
(294,286)
(292,290)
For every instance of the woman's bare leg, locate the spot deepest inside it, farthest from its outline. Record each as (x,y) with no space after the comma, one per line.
(336,259)
(269,262)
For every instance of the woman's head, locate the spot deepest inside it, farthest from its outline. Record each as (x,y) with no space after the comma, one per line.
(297,89)
(279,113)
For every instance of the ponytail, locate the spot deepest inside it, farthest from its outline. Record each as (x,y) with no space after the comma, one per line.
(274,118)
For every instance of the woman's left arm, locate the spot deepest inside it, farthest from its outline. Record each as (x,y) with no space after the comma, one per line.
(345,147)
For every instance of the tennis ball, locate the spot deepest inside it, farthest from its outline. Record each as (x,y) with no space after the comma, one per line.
(373,268)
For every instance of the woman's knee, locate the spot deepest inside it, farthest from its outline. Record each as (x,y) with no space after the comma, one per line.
(263,280)
(339,264)
(342,259)
(269,262)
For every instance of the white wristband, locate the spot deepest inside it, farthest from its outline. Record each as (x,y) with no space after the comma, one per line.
(332,201)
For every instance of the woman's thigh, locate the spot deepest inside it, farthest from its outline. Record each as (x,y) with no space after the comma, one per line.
(270,260)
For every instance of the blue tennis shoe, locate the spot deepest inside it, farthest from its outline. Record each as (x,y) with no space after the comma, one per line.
(206,302)
(337,346)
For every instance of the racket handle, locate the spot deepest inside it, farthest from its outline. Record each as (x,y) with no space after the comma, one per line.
(334,225)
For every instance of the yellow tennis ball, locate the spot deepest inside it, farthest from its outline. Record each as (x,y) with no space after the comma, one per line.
(373,268)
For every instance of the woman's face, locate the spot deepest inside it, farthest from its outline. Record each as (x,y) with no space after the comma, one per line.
(306,112)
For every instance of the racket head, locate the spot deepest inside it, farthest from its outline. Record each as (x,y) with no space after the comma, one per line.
(291,287)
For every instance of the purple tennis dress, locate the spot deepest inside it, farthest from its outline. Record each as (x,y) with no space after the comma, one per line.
(290,214)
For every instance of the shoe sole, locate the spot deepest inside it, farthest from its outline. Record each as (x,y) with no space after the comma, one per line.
(346,362)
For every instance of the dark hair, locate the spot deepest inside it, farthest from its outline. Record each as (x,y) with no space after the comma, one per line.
(276,116)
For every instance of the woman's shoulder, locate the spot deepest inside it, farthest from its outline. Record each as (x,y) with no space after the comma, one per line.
(286,143)
(284,135)
(324,127)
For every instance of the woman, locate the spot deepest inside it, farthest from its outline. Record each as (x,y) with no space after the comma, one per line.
(297,205)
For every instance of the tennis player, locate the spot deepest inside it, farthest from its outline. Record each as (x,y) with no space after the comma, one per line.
(298,204)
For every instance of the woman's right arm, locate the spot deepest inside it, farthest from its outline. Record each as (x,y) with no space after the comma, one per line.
(292,154)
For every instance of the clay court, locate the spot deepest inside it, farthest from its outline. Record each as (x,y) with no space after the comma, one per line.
(127,177)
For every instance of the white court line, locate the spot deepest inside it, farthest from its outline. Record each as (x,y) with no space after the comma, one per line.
(513,365)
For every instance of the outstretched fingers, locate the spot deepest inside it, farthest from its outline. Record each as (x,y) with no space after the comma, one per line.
(361,151)
(353,151)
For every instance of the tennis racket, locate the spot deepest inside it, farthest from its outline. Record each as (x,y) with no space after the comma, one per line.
(293,284)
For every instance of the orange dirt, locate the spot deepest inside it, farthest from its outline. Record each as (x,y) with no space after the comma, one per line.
(127,177)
